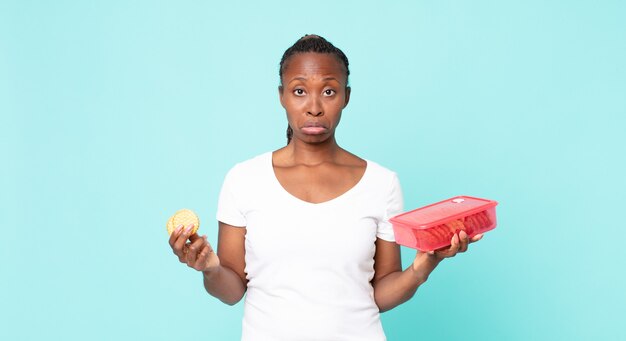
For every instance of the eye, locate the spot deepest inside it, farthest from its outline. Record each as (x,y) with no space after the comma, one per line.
(329,92)
(298,92)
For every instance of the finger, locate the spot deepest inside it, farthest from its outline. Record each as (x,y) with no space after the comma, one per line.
(454,246)
(194,237)
(202,258)
(476,238)
(182,256)
(463,241)
(179,240)
(182,239)
(188,230)
(209,244)
(194,248)
(174,235)
(449,251)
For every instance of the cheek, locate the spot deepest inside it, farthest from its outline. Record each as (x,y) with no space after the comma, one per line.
(293,103)
(291,109)
(334,106)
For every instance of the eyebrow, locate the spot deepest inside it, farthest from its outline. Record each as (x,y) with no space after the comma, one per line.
(324,79)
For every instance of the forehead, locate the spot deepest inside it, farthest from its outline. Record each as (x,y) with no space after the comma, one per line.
(312,64)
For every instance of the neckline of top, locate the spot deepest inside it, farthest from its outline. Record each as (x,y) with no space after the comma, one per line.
(340,197)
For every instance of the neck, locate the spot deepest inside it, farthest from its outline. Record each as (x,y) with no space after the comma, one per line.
(312,154)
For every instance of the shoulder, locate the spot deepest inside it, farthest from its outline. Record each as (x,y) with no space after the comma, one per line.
(251,165)
(377,173)
(381,181)
(380,172)
(247,173)
(388,186)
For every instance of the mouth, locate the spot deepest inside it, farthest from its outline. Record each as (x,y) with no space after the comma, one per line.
(313,128)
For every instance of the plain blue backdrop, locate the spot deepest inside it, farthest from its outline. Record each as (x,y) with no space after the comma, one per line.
(114,114)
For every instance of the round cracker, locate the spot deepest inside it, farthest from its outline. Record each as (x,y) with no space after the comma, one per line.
(183,217)
(170,225)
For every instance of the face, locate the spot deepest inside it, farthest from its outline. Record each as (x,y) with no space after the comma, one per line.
(314,93)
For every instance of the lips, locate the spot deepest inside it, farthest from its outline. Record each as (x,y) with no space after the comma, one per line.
(313,124)
(314,128)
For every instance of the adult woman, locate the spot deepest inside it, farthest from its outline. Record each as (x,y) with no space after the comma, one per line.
(304,230)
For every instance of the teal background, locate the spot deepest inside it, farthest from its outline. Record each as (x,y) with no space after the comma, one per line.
(114,114)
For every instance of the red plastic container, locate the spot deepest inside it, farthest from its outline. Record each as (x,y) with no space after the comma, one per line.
(432,227)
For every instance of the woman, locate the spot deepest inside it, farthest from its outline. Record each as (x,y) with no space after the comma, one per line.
(304,230)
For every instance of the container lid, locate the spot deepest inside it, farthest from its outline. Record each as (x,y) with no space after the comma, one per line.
(443,211)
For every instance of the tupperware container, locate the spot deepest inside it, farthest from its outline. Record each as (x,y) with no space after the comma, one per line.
(432,227)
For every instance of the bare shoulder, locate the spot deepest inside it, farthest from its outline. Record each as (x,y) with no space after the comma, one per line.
(280,157)
(348,159)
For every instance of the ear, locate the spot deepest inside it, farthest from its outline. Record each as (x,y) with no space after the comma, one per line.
(280,95)
(347,98)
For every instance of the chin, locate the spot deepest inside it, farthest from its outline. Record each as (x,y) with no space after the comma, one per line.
(316,139)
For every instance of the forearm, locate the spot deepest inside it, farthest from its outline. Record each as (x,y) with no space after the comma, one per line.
(398,287)
(224,284)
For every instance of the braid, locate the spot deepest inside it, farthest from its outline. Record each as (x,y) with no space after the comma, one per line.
(311,43)
(289,133)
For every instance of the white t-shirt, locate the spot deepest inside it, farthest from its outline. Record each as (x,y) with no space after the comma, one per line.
(309,266)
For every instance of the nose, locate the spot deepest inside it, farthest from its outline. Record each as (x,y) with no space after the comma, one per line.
(315,108)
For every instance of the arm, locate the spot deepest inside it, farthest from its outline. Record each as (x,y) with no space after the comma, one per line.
(228,281)
(223,275)
(392,286)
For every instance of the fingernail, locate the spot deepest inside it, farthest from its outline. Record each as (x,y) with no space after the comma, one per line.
(178,228)
(189,228)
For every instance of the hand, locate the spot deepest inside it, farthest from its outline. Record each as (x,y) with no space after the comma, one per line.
(458,244)
(198,254)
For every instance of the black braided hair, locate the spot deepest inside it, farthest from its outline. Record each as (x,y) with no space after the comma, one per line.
(311,43)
